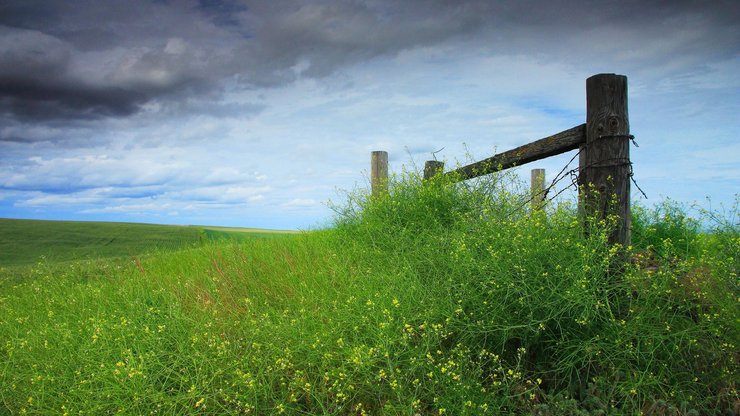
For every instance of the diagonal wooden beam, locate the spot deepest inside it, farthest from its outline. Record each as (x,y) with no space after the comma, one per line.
(556,144)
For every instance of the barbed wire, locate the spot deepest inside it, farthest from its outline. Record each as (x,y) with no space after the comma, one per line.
(573,175)
(434,154)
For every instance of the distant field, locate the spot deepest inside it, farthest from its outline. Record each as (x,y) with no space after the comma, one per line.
(24,242)
(238,234)
(244,230)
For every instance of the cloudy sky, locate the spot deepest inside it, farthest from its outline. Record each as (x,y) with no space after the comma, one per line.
(256,113)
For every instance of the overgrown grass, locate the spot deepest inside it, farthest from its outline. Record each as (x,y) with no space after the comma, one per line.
(434,299)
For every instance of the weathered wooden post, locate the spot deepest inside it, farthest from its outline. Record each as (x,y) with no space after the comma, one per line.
(604,168)
(537,189)
(378,172)
(432,168)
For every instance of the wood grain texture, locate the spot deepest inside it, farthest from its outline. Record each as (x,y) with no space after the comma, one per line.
(433,168)
(537,189)
(604,165)
(378,172)
(553,145)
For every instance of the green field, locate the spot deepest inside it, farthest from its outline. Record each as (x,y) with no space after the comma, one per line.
(239,234)
(437,299)
(24,242)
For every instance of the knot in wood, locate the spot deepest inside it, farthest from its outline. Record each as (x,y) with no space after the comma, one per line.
(614,124)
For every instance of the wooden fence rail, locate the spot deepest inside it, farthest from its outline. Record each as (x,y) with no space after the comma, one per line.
(604,167)
(556,144)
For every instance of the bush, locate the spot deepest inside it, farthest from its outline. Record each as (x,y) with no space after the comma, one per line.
(542,316)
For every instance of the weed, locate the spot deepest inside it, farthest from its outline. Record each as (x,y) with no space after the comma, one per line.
(436,298)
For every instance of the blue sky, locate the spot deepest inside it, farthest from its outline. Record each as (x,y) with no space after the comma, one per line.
(256,114)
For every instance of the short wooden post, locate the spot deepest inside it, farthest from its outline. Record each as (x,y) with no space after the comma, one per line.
(379,172)
(537,189)
(604,170)
(432,168)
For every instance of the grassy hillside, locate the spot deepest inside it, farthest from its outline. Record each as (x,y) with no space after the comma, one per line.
(24,242)
(239,234)
(437,299)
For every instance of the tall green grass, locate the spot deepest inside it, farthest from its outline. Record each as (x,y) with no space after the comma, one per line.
(436,298)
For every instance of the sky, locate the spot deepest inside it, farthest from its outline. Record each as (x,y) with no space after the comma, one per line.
(258,113)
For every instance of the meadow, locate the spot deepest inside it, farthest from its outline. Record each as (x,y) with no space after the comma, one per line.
(434,299)
(25,242)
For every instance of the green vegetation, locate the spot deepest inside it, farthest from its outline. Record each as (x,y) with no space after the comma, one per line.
(239,234)
(24,242)
(436,299)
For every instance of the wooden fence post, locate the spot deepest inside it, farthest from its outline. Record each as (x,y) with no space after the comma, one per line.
(432,168)
(604,160)
(537,189)
(378,172)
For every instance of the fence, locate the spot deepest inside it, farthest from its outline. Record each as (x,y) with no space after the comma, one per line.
(604,167)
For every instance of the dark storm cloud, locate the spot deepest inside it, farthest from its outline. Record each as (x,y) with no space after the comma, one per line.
(144,51)
(90,59)
(32,99)
(87,60)
(320,37)
(13,139)
(46,78)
